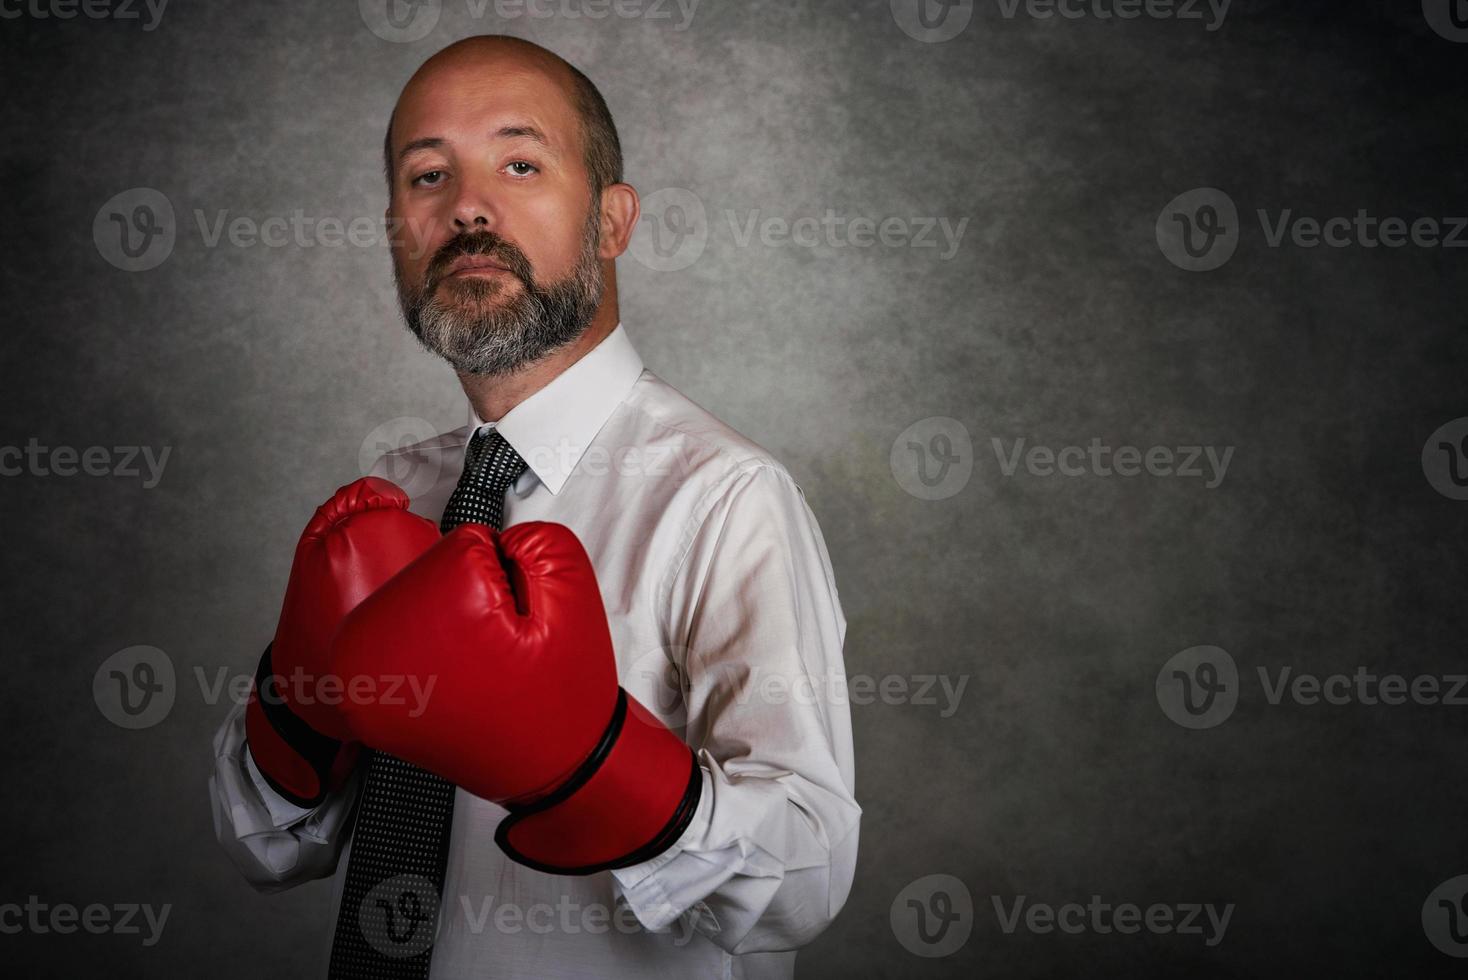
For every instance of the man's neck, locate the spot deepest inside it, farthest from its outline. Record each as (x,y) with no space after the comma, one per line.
(494,395)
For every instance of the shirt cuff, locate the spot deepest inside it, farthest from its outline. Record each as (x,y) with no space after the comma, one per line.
(283,813)
(643,891)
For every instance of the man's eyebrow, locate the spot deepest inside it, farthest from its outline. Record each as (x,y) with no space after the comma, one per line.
(504,132)
(423,143)
(522,132)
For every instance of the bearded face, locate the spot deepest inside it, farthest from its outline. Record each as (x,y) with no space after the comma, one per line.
(481,307)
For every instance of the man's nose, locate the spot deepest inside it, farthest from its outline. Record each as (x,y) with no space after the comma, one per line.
(473,209)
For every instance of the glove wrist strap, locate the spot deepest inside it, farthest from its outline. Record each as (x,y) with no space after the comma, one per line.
(319,752)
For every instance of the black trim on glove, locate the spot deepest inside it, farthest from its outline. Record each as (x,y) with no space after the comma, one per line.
(319,751)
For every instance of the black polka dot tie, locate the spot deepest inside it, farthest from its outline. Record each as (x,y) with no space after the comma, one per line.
(388,917)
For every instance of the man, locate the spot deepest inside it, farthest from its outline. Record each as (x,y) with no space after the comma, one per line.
(709,829)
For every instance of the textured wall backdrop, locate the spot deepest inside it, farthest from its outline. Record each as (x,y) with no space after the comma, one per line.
(948,262)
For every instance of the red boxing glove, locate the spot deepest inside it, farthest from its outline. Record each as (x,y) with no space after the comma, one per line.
(356,541)
(526,710)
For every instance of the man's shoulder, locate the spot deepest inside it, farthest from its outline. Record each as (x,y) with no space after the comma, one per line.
(413,457)
(705,448)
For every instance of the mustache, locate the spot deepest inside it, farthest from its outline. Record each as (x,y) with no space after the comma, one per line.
(485,243)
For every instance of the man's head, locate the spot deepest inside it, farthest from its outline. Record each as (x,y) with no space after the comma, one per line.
(506,197)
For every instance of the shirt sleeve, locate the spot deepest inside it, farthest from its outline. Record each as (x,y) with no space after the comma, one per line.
(768,859)
(275,844)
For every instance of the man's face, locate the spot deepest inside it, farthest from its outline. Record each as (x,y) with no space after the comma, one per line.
(495,251)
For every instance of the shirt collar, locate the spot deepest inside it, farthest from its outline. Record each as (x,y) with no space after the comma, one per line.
(553,428)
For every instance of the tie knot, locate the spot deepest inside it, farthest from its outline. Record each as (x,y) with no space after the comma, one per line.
(491,465)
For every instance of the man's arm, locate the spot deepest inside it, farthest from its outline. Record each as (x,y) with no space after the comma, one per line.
(275,844)
(769,857)
(283,759)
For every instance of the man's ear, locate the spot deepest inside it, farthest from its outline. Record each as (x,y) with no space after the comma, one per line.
(620,209)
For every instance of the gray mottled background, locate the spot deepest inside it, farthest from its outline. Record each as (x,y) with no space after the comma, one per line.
(1059,318)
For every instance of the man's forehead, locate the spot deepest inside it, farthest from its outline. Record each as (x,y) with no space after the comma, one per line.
(489,93)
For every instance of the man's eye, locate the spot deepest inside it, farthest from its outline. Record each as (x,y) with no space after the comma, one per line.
(428,179)
(522,173)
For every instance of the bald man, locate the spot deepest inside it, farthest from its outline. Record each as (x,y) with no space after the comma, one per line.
(721,614)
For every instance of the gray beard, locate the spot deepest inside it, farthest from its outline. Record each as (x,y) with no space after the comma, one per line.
(479,338)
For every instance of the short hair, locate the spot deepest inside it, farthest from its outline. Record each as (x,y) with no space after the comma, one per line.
(603,149)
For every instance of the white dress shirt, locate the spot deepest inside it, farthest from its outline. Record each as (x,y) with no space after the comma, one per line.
(726,624)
